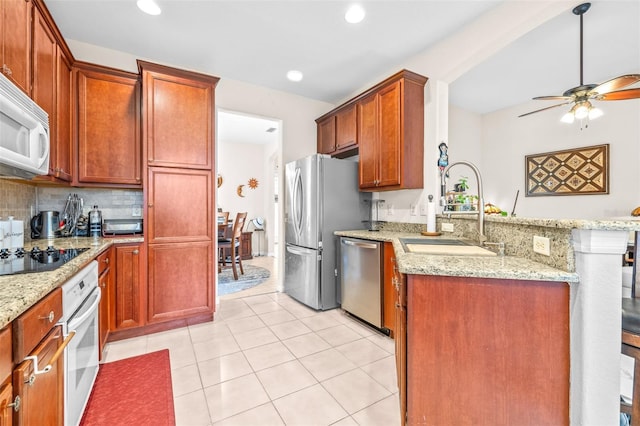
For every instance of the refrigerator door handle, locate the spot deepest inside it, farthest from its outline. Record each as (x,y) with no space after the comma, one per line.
(359,244)
(297,251)
(298,197)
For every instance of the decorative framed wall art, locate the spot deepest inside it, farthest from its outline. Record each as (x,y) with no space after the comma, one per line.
(580,171)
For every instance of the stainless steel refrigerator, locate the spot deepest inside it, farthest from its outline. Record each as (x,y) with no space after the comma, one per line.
(321,196)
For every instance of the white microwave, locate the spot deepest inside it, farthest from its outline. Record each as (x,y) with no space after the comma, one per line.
(24,134)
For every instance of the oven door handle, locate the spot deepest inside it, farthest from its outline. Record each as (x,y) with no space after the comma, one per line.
(87,309)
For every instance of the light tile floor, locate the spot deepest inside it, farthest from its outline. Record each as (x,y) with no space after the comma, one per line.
(269,360)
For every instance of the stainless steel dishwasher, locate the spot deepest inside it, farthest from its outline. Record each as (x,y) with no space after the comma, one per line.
(361,279)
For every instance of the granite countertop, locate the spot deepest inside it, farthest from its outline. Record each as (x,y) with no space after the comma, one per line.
(502,267)
(21,291)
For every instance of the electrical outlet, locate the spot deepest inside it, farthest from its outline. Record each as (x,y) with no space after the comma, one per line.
(423,209)
(390,210)
(414,209)
(541,245)
(136,211)
(447,227)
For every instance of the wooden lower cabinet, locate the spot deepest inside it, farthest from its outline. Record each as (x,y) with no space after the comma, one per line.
(400,338)
(6,405)
(105,282)
(41,395)
(180,280)
(388,289)
(6,388)
(486,351)
(127,299)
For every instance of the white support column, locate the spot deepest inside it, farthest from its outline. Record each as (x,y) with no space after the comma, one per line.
(595,327)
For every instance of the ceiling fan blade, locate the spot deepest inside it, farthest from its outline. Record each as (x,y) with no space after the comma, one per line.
(544,109)
(615,84)
(553,98)
(620,95)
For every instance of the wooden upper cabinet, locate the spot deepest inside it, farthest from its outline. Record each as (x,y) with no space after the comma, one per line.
(44,68)
(52,90)
(108,126)
(337,132)
(180,205)
(179,117)
(346,129)
(391,134)
(60,157)
(367,148)
(327,135)
(15,42)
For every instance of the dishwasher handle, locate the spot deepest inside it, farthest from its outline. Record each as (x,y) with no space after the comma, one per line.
(360,244)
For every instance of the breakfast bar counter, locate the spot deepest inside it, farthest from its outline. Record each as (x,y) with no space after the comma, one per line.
(502,267)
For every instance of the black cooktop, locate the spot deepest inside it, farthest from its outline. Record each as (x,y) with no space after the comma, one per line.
(21,261)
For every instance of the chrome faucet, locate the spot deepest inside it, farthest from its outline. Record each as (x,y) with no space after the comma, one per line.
(443,176)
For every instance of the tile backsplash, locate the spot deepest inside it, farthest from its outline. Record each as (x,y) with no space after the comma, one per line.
(23,200)
(16,199)
(114,203)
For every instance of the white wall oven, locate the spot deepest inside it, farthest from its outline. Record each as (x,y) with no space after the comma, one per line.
(80,300)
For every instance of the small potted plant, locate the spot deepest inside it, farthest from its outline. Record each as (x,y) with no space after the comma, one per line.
(462,185)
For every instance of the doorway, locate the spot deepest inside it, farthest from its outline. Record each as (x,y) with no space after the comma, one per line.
(248,153)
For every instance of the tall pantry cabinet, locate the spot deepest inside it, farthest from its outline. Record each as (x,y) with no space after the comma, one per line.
(178,113)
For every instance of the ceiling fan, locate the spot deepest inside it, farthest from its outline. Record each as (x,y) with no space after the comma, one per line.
(581,95)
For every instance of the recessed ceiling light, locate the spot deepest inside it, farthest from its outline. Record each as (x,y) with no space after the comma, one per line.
(294,75)
(354,14)
(149,6)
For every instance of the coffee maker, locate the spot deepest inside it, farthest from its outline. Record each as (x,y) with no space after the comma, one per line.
(45,224)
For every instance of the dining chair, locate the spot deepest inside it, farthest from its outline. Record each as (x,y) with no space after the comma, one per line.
(223,224)
(631,340)
(223,218)
(233,245)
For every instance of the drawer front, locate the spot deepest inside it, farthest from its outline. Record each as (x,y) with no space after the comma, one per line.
(31,327)
(104,260)
(5,354)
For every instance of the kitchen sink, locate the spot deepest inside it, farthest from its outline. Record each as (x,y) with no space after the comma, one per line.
(441,246)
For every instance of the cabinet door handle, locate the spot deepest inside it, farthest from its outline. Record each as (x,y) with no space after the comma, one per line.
(136,251)
(15,404)
(49,317)
(106,261)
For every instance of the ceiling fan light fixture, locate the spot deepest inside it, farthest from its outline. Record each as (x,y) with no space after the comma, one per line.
(568,118)
(611,90)
(582,110)
(595,113)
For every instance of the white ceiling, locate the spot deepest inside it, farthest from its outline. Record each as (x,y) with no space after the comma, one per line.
(234,127)
(259,41)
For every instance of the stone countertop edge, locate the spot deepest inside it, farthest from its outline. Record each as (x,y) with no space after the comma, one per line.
(626,223)
(21,291)
(500,267)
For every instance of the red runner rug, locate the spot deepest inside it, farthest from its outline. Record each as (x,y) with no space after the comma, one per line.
(133,391)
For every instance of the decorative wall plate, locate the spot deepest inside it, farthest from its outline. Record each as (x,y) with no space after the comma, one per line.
(239,190)
(219,181)
(580,171)
(253,183)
